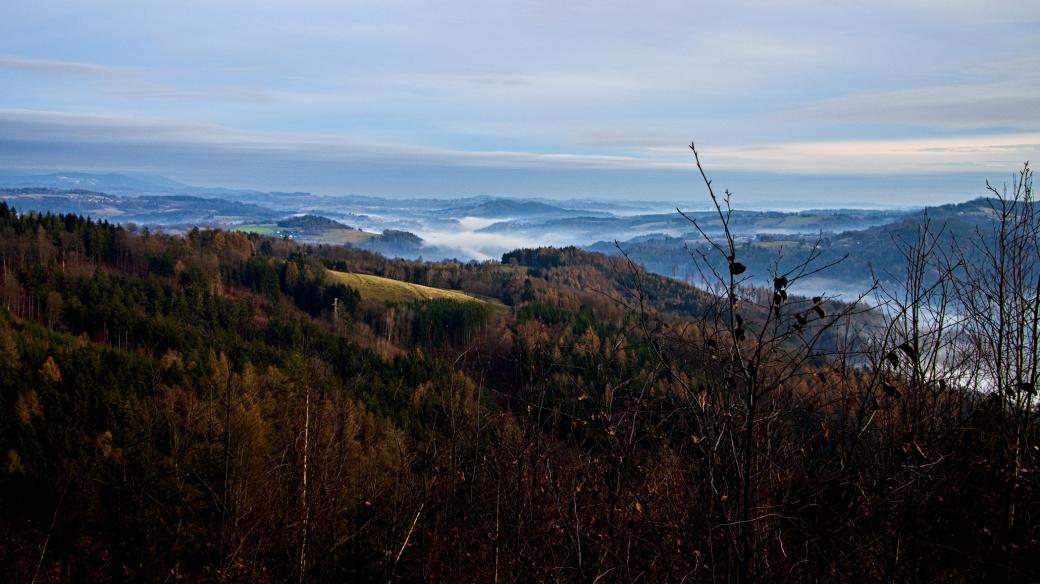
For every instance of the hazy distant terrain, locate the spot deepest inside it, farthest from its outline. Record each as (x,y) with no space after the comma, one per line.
(467,228)
(484,227)
(860,255)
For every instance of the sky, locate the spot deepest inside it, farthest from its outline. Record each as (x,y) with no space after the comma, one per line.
(885,102)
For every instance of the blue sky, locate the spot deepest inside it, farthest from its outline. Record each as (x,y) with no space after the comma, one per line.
(887,102)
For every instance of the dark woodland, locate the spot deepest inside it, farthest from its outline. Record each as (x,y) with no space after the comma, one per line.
(215,407)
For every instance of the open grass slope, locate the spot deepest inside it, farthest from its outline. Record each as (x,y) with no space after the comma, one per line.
(380,288)
(258,229)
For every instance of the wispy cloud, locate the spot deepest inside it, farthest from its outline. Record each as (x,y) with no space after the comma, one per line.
(919,155)
(61,67)
(989,105)
(117,81)
(63,128)
(997,152)
(129,83)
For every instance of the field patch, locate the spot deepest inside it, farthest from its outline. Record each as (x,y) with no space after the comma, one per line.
(386,289)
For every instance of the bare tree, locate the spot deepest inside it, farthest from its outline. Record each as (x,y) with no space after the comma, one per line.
(760,344)
(998,287)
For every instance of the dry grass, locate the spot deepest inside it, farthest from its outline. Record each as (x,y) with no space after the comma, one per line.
(379,288)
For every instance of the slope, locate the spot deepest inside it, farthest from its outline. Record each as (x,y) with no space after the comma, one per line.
(380,288)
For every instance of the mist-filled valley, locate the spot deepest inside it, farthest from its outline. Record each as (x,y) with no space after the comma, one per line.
(479,228)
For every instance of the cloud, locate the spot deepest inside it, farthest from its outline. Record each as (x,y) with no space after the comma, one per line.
(152,138)
(990,105)
(116,81)
(129,83)
(996,152)
(52,66)
(58,128)
(476,245)
(470,224)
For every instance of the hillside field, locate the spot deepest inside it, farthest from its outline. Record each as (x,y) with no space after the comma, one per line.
(380,288)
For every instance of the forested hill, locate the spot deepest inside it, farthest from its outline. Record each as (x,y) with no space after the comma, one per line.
(311,222)
(862,254)
(223,406)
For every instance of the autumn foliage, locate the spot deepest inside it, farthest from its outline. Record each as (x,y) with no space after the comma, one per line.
(213,407)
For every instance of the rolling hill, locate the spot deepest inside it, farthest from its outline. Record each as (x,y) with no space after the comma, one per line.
(379,288)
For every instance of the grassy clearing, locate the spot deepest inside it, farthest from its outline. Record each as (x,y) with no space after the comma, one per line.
(379,288)
(258,229)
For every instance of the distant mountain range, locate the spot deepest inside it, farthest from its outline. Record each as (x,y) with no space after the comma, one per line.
(483,227)
(872,252)
(161,210)
(311,222)
(107,182)
(512,208)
